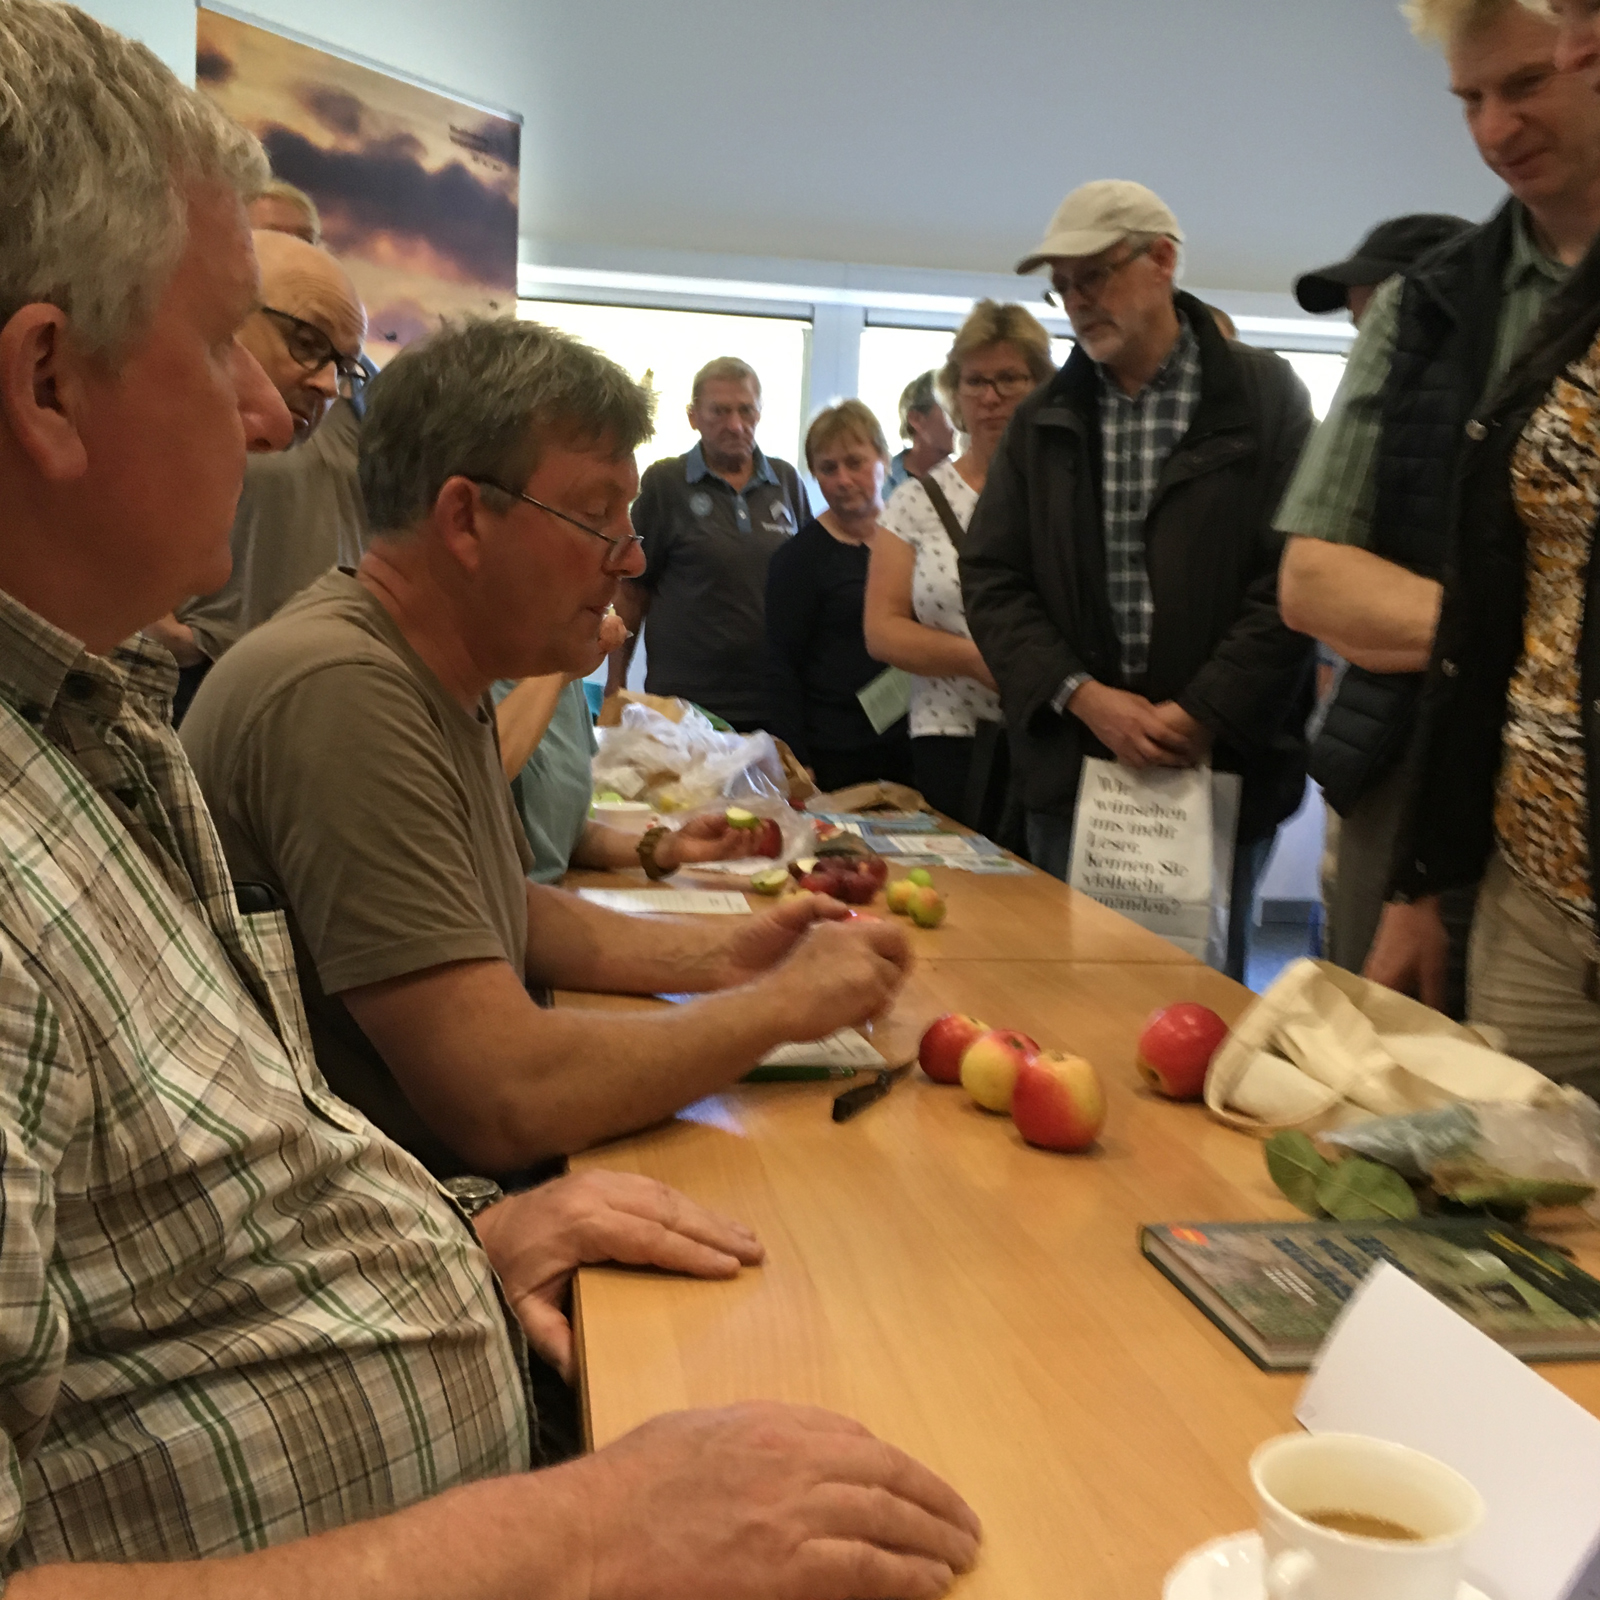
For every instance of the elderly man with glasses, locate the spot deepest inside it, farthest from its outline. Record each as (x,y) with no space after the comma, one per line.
(300,510)
(1120,570)
(350,761)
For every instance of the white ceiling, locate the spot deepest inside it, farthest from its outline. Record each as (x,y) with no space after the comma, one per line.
(930,133)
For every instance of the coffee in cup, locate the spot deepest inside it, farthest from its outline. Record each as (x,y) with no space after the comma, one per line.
(1344,1517)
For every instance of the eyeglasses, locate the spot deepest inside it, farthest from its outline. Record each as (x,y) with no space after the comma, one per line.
(620,549)
(311,349)
(1004,384)
(1091,282)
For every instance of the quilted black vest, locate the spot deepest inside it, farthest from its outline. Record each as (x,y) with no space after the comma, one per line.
(1444,344)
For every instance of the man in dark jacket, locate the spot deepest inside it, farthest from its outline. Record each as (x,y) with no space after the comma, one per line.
(1367,516)
(1120,570)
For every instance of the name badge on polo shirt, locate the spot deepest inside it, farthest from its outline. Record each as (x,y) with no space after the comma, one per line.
(700,503)
(781,518)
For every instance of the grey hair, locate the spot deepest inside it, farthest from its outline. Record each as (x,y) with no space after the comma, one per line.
(918,395)
(724,369)
(99,144)
(300,200)
(989,322)
(1140,242)
(1447,22)
(481,398)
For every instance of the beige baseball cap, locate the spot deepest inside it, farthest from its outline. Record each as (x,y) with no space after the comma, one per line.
(1096,215)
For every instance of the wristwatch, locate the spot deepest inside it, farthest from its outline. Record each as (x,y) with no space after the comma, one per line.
(649,841)
(473,1195)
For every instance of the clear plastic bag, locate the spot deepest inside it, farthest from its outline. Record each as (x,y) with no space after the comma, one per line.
(1492,1151)
(682,766)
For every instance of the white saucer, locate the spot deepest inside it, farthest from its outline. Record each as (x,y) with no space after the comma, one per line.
(1230,1569)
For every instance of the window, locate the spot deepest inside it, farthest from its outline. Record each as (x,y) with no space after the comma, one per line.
(673,345)
(892,357)
(1320,371)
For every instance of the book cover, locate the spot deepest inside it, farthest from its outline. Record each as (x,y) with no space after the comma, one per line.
(1275,1287)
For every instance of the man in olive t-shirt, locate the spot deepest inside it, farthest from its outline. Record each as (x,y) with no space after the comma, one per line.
(345,778)
(348,755)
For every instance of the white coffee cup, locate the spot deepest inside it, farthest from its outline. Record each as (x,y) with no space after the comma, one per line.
(1301,1476)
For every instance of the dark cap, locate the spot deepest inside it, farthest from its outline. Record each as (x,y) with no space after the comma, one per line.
(1391,247)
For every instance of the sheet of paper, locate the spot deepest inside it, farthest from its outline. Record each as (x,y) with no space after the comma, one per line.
(676,902)
(1399,1364)
(846,1048)
(886,699)
(951,847)
(743,867)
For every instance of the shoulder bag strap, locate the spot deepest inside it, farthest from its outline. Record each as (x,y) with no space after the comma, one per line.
(941,505)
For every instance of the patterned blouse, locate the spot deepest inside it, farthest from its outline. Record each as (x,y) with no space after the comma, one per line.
(1541,807)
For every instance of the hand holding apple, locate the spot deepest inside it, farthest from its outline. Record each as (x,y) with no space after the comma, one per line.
(1176,1048)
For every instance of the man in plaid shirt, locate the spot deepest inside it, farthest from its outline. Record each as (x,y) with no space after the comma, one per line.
(1119,571)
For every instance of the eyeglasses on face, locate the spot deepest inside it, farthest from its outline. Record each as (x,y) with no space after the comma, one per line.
(618,549)
(1091,282)
(1004,384)
(311,349)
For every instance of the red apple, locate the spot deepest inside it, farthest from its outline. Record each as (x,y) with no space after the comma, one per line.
(1057,1102)
(943,1043)
(989,1066)
(769,839)
(1176,1047)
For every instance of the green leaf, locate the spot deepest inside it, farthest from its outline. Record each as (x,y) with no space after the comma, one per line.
(1297,1167)
(1359,1190)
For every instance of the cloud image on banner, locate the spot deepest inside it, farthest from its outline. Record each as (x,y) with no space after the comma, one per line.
(418,192)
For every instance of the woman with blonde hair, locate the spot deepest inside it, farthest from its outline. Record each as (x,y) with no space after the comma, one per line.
(914,615)
(817,661)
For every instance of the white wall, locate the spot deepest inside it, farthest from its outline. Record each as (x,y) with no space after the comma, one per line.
(927,133)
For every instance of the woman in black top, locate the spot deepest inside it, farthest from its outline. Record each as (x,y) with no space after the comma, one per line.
(817,657)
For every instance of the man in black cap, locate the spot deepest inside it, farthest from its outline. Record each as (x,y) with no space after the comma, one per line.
(1390,248)
(1368,513)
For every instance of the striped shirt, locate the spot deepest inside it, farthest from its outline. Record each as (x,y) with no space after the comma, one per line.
(231,1312)
(1138,433)
(1334,491)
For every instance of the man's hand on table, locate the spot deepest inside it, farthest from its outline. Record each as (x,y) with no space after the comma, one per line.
(765,1502)
(537,1240)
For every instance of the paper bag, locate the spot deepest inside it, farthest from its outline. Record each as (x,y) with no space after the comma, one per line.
(1157,845)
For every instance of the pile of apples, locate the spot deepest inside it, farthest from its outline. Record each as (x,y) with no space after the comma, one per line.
(852,879)
(1054,1099)
(914,896)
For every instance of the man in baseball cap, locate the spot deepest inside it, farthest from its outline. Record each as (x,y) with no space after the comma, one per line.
(1118,622)
(1391,247)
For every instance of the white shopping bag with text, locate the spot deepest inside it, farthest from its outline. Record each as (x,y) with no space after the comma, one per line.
(1156,844)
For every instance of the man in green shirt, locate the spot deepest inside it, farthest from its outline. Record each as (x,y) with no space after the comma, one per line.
(1367,513)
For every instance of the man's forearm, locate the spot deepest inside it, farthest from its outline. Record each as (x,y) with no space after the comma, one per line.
(605,849)
(575,945)
(523,718)
(490,1541)
(1376,613)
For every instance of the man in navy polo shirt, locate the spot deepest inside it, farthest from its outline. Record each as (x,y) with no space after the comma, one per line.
(710,521)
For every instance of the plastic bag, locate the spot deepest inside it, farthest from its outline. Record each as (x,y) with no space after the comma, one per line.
(1492,1151)
(798,830)
(681,766)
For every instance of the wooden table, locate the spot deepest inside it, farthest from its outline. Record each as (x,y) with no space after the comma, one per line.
(979,1303)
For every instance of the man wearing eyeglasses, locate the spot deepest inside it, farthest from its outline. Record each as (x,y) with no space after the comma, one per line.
(1120,569)
(349,759)
(300,510)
